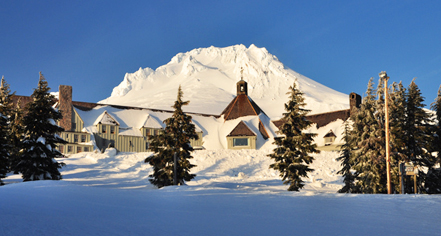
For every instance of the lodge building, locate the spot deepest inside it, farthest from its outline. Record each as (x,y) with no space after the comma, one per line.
(244,125)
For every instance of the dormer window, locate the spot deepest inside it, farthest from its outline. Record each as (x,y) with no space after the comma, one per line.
(112,129)
(103,129)
(241,88)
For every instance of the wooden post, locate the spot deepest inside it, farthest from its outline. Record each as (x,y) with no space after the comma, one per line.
(384,76)
(175,169)
(402,173)
(415,183)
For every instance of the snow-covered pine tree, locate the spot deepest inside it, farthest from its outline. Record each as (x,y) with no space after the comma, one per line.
(432,183)
(397,113)
(369,156)
(417,138)
(292,154)
(5,134)
(17,131)
(175,139)
(346,155)
(38,153)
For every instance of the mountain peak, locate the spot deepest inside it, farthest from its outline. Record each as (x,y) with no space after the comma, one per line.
(208,77)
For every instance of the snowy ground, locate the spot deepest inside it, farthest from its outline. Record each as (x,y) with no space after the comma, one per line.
(234,193)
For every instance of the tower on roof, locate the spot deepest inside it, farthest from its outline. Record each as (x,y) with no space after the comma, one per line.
(242,86)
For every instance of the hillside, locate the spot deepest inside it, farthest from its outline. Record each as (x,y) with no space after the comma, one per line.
(208,78)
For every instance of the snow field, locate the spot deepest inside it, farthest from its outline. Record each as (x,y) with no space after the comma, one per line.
(234,194)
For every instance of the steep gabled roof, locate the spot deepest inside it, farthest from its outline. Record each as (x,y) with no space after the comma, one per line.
(106,119)
(241,130)
(241,106)
(329,134)
(152,122)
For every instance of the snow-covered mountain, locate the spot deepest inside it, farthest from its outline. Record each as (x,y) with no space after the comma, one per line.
(208,77)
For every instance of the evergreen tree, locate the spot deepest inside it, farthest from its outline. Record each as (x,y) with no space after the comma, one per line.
(5,135)
(433,179)
(17,131)
(417,134)
(436,147)
(369,157)
(175,139)
(38,153)
(397,116)
(347,162)
(292,154)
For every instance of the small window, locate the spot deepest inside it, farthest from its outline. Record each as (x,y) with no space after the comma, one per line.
(103,129)
(240,142)
(69,149)
(78,149)
(112,129)
(75,138)
(156,132)
(130,143)
(61,148)
(74,126)
(146,146)
(67,136)
(83,138)
(86,149)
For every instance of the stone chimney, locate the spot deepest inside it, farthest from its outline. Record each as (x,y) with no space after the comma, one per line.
(354,101)
(65,106)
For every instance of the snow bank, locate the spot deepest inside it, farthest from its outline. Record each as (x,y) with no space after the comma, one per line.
(234,193)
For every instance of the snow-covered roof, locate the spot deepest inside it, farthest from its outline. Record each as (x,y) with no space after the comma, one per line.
(106,119)
(130,120)
(153,122)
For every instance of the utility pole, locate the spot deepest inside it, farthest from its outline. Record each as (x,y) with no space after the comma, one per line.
(384,76)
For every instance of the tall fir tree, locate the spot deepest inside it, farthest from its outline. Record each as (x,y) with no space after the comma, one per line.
(436,147)
(397,115)
(175,139)
(38,153)
(369,157)
(417,134)
(432,183)
(346,158)
(6,106)
(17,133)
(292,155)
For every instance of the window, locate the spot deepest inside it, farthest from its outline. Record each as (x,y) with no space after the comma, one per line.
(75,138)
(67,136)
(146,146)
(86,149)
(83,138)
(240,142)
(69,149)
(130,143)
(112,129)
(61,148)
(156,132)
(74,126)
(78,149)
(103,129)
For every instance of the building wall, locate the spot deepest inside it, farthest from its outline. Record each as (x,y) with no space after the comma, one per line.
(73,148)
(127,143)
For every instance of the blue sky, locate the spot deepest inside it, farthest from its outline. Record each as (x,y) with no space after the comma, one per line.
(341,44)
